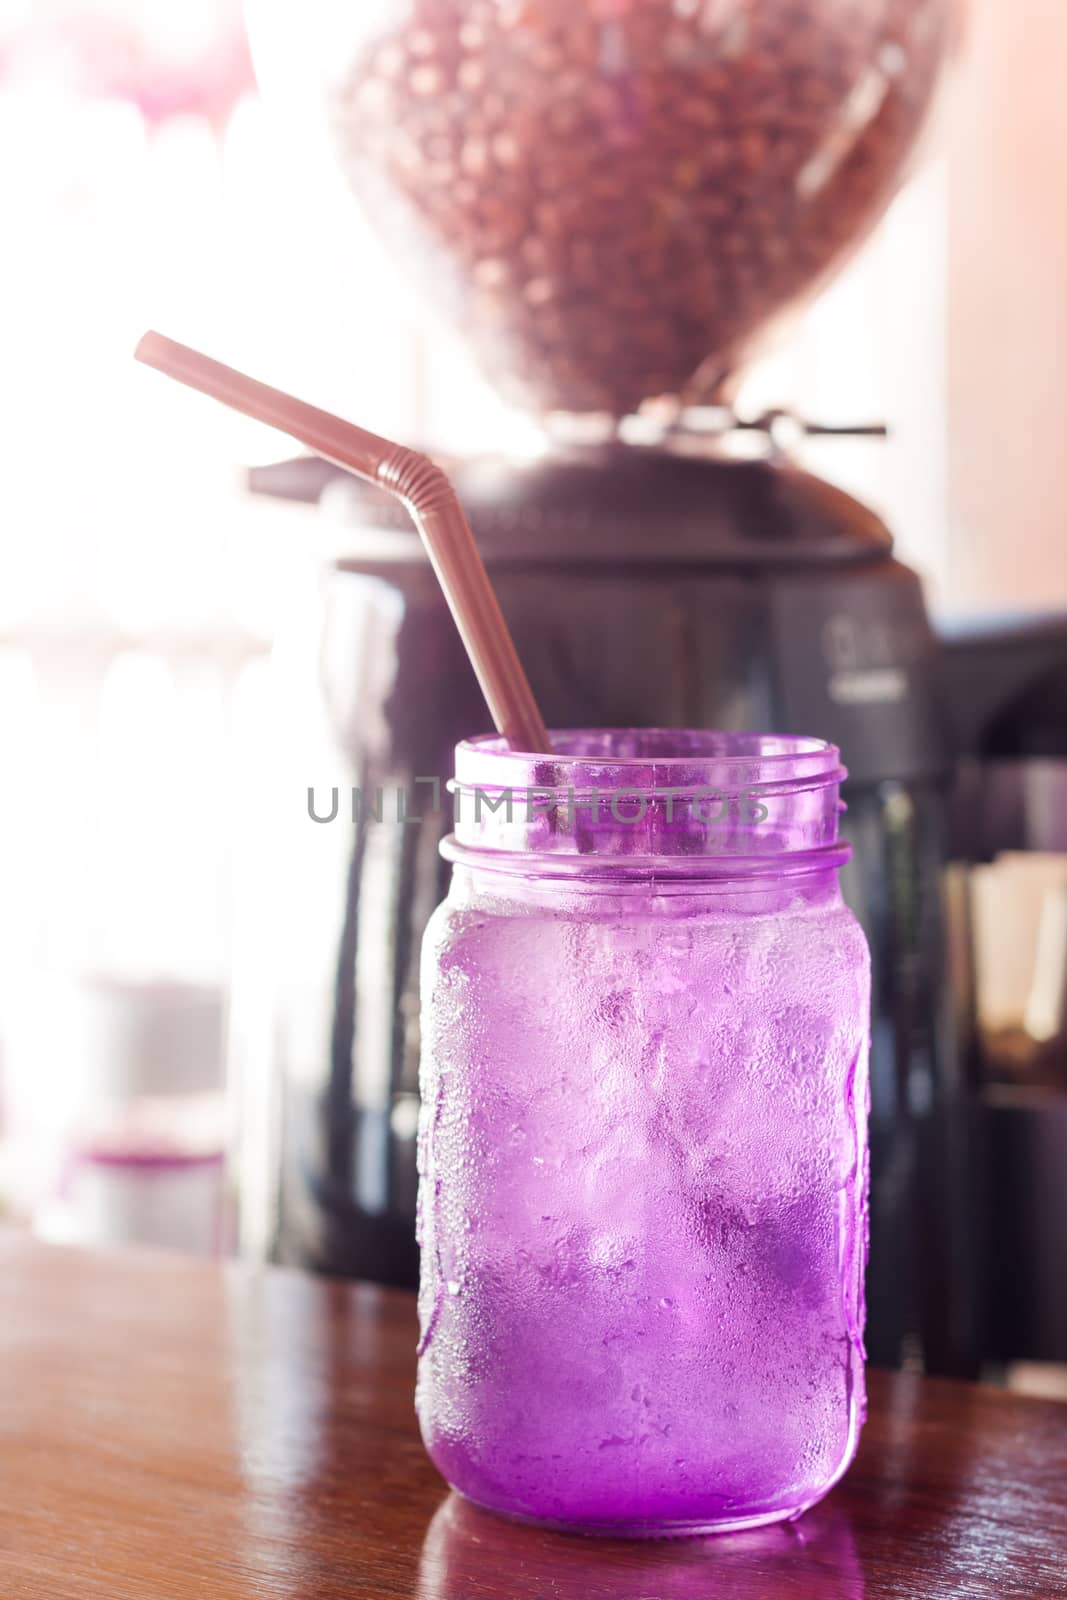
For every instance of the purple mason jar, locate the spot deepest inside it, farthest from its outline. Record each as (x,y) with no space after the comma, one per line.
(643,1150)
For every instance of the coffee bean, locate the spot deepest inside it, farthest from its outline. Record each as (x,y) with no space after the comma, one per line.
(611,194)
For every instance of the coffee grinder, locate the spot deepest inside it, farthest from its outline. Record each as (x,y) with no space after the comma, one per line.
(614,199)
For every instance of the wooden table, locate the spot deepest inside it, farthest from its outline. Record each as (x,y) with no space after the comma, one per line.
(170,1429)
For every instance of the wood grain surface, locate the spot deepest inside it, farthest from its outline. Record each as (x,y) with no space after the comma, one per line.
(170,1428)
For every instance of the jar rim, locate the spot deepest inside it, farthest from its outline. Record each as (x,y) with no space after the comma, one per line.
(648,758)
(723,746)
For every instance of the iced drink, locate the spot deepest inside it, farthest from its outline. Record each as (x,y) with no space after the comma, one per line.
(643,1149)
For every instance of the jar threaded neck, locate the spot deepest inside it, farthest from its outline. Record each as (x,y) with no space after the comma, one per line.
(674,803)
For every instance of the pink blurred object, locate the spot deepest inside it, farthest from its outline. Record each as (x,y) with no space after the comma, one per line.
(120,1134)
(168,59)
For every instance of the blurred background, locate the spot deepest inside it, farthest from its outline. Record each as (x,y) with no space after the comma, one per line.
(162,603)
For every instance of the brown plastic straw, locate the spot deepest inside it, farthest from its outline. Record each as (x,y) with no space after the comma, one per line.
(429,498)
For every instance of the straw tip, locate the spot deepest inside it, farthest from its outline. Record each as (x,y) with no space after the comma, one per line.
(148,347)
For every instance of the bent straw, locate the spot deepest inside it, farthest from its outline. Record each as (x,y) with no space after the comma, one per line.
(422,488)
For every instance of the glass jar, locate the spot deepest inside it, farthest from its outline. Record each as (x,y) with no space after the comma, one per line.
(611,198)
(643,1152)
